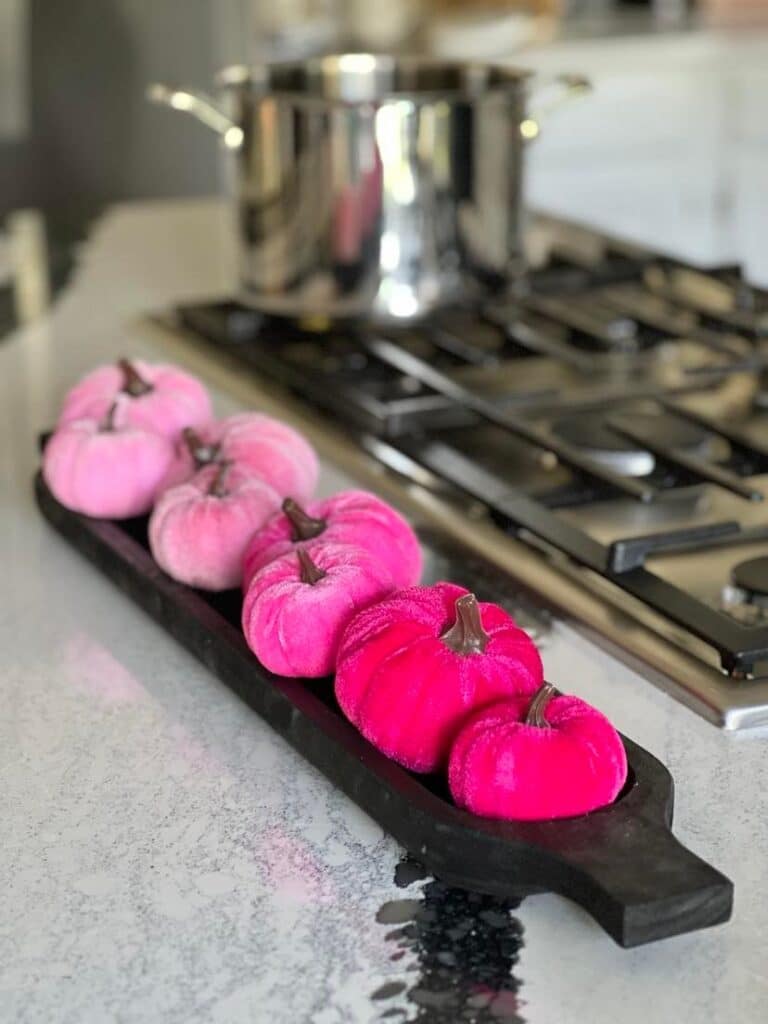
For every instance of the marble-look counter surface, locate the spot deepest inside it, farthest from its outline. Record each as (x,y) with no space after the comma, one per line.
(165,857)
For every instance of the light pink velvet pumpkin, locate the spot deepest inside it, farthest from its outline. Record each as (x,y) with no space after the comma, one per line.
(350,517)
(106,469)
(411,669)
(296,607)
(199,530)
(157,397)
(553,757)
(272,450)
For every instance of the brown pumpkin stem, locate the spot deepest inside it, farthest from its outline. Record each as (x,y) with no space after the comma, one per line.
(218,488)
(108,423)
(202,453)
(541,698)
(133,383)
(310,573)
(466,635)
(305,527)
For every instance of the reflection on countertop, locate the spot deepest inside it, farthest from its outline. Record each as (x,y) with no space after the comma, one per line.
(455,953)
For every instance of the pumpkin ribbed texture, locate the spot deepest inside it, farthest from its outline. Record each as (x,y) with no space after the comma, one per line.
(409,691)
(502,767)
(349,517)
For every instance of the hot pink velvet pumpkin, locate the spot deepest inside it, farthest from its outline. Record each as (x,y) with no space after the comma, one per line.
(199,530)
(351,517)
(106,469)
(296,607)
(412,668)
(554,757)
(272,450)
(156,397)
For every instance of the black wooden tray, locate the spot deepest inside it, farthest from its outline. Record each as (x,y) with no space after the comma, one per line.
(622,863)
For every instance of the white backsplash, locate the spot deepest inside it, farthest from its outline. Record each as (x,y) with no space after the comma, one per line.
(670,149)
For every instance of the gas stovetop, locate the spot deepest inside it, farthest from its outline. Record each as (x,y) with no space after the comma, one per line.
(613,418)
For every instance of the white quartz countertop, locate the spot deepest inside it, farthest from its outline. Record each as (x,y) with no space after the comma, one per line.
(165,857)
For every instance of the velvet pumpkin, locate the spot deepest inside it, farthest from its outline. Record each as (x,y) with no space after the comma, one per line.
(350,517)
(411,669)
(157,397)
(106,469)
(296,607)
(553,757)
(272,450)
(199,529)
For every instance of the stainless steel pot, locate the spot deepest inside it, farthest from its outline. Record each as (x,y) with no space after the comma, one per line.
(373,186)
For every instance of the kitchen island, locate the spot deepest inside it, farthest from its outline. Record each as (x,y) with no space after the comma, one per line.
(166,857)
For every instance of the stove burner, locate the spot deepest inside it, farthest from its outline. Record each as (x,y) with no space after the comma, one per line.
(751,578)
(590,433)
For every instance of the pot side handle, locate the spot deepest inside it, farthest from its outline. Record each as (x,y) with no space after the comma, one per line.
(564,88)
(200,106)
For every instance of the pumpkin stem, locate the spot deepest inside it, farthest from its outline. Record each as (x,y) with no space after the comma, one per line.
(305,527)
(310,573)
(133,383)
(541,698)
(218,488)
(108,423)
(202,453)
(466,635)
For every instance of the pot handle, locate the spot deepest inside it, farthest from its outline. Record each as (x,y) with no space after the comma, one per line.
(568,86)
(200,106)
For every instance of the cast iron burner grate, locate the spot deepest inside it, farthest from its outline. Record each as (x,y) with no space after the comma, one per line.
(609,415)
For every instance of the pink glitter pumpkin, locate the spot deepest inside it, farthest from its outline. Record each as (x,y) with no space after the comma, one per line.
(272,450)
(411,669)
(296,608)
(199,530)
(553,757)
(156,397)
(106,469)
(351,517)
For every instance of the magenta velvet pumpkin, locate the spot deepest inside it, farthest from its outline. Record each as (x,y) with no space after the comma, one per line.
(555,757)
(199,530)
(411,669)
(106,469)
(297,607)
(350,517)
(157,397)
(268,448)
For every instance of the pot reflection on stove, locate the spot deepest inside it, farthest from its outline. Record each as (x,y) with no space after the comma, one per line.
(590,433)
(465,947)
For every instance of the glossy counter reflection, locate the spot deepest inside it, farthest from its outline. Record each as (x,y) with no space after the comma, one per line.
(457,951)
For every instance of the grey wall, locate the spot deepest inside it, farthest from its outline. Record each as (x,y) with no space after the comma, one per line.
(91,137)
(14,103)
